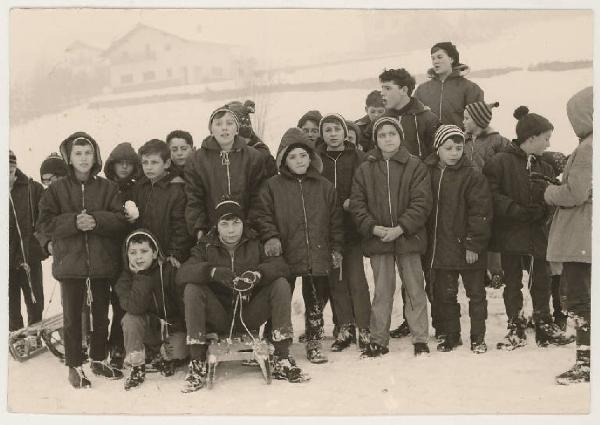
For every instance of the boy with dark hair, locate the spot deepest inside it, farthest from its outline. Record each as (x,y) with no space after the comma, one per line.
(52,168)
(459,230)
(520,231)
(153,307)
(228,251)
(25,253)
(83,217)
(181,145)
(375,108)
(417,121)
(390,202)
(161,201)
(223,166)
(355,135)
(309,124)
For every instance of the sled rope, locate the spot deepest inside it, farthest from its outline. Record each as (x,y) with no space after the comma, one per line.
(24,264)
(239,302)
(88,300)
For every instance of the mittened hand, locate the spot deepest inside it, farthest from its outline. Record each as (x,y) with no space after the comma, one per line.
(346,204)
(131,211)
(273,247)
(336,259)
(223,275)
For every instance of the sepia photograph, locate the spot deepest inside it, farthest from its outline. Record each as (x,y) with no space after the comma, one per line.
(288,210)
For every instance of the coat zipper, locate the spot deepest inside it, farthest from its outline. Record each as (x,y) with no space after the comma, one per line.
(305,224)
(418,138)
(437,211)
(225,161)
(88,281)
(441,99)
(389,190)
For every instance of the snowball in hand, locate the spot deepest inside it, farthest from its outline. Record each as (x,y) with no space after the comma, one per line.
(131,210)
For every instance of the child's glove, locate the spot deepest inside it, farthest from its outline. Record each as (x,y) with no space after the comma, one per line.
(174,262)
(471,257)
(336,259)
(273,247)
(223,275)
(131,211)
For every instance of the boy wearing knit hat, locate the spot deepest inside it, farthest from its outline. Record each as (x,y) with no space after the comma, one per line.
(25,253)
(300,218)
(375,108)
(223,166)
(52,168)
(448,91)
(390,202)
(459,229)
(309,124)
(520,231)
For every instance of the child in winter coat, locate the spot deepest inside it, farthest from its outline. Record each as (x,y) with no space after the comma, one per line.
(309,124)
(354,135)
(299,218)
(390,202)
(52,168)
(448,91)
(520,232)
(375,108)
(153,307)
(228,252)
(181,145)
(459,230)
(350,298)
(25,253)
(83,217)
(160,201)
(224,167)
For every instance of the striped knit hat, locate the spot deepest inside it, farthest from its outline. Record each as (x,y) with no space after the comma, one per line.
(216,111)
(445,132)
(481,112)
(388,120)
(333,117)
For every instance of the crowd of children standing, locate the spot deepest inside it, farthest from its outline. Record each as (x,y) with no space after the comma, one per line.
(422,183)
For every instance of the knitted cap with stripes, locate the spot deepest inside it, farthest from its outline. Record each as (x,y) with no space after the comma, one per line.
(336,118)
(445,132)
(481,112)
(388,120)
(219,110)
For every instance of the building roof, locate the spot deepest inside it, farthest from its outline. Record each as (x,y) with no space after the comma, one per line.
(77,44)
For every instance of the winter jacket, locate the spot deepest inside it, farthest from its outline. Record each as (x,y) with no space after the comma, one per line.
(390,193)
(418,124)
(366,133)
(23,210)
(79,254)
(249,255)
(479,149)
(448,98)
(340,170)
(123,152)
(462,215)
(570,237)
(211,174)
(303,213)
(162,211)
(515,231)
(152,291)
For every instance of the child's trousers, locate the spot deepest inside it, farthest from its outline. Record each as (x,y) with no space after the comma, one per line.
(446,304)
(415,306)
(17,283)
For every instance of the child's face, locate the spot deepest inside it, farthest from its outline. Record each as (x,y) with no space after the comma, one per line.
(298,161)
(180,150)
(536,145)
(154,166)
(442,63)
(12,173)
(393,95)
(230,230)
(82,158)
(450,152)
(48,179)
(141,255)
(352,136)
(333,134)
(311,129)
(123,169)
(388,138)
(468,123)
(375,112)
(224,129)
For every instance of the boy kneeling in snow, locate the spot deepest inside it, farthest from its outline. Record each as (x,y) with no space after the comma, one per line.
(208,276)
(153,310)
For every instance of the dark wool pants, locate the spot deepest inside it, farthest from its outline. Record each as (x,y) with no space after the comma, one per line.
(73,293)
(350,295)
(17,283)
(539,287)
(446,304)
(314,290)
(203,309)
(579,286)
(115,341)
(559,295)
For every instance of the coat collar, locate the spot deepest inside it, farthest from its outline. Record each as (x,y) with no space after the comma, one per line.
(210,143)
(402,156)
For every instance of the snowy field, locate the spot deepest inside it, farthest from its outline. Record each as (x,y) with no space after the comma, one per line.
(457,382)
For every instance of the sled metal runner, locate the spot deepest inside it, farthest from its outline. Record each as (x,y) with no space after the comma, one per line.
(26,343)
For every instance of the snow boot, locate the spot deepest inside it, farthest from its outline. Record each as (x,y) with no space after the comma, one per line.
(450,342)
(478,345)
(343,338)
(421,349)
(196,376)
(77,378)
(117,358)
(102,368)
(364,338)
(515,337)
(580,372)
(560,320)
(136,378)
(374,350)
(549,333)
(401,331)
(314,354)
(497,281)
(285,368)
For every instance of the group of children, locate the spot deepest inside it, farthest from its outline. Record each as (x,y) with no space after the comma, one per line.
(174,234)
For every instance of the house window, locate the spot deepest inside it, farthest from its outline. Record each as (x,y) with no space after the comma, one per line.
(126,79)
(149,76)
(217,71)
(169,72)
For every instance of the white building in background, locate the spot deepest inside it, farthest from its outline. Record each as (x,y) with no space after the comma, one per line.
(81,58)
(148,58)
